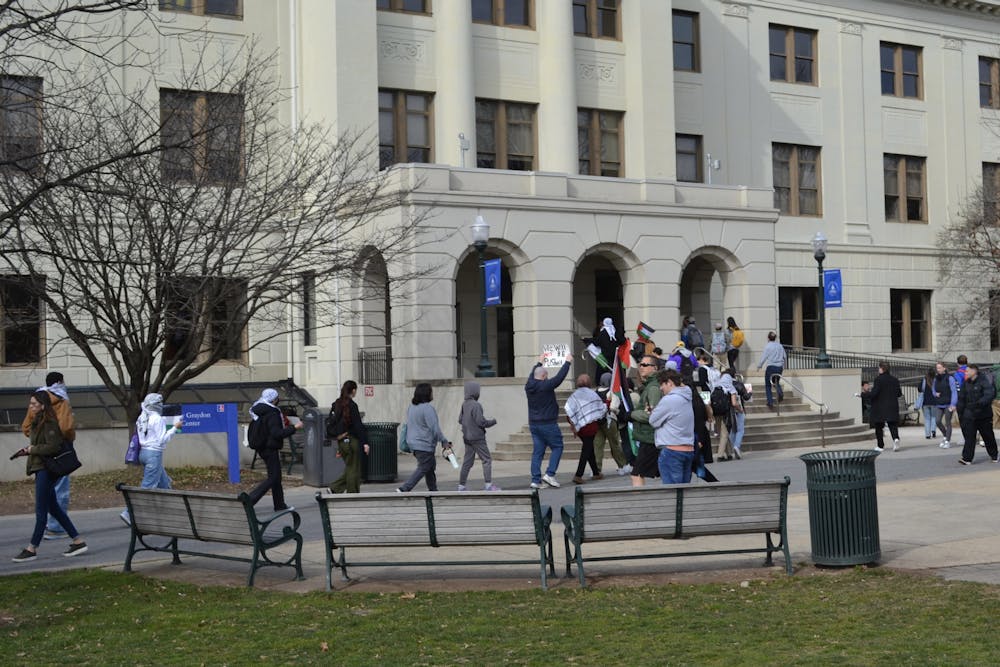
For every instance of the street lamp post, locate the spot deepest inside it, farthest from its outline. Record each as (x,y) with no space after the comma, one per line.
(819,253)
(480,235)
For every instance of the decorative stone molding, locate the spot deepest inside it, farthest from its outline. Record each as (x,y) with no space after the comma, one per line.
(400,50)
(737,10)
(603,72)
(849,28)
(953,43)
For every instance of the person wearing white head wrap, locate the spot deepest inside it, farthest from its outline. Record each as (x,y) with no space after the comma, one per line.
(267,435)
(268,397)
(154,434)
(609,339)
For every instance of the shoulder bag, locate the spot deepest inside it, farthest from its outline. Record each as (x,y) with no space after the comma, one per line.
(63,463)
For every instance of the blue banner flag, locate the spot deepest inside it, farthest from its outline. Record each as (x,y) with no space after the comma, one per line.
(833,289)
(491,274)
(216,418)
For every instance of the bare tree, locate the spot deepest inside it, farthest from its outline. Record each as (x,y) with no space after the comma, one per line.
(159,265)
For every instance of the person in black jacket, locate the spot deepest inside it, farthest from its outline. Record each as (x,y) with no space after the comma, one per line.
(609,339)
(884,397)
(345,428)
(703,441)
(267,434)
(975,414)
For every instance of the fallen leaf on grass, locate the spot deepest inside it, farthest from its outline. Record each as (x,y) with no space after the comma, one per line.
(408,596)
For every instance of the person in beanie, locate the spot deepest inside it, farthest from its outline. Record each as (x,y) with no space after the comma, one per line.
(474,425)
(267,434)
(56,389)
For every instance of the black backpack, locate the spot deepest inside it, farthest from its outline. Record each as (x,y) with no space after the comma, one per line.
(256,437)
(335,424)
(741,390)
(720,402)
(687,367)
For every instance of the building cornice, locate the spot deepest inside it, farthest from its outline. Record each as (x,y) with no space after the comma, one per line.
(976,6)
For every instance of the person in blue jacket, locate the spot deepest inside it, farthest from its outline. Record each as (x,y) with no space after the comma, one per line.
(543,417)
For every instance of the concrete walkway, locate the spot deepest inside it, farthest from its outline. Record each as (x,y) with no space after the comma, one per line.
(935,515)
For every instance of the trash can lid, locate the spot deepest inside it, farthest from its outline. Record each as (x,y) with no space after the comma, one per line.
(846,455)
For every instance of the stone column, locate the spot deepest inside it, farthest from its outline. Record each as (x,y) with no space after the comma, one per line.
(557,137)
(455,98)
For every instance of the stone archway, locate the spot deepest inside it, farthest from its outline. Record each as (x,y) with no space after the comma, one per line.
(374,352)
(703,288)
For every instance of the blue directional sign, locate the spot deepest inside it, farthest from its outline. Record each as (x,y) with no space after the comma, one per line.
(491,274)
(833,288)
(216,418)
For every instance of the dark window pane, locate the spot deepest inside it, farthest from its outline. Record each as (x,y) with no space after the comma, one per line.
(222,7)
(888,83)
(778,68)
(803,43)
(415,5)
(984,96)
(516,12)
(776,39)
(520,163)
(911,85)
(607,23)
(684,28)
(486,160)
(684,57)
(891,208)
(687,168)
(386,157)
(482,10)
(382,4)
(803,70)
(887,57)
(897,335)
(914,209)
(910,58)
(580,18)
(810,303)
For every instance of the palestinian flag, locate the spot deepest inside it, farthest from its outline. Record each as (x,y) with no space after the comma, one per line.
(619,385)
(645,331)
(595,353)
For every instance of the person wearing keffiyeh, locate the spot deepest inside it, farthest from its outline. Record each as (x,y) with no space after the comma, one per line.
(154,434)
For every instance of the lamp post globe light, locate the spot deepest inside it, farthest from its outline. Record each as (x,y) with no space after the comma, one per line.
(480,235)
(819,253)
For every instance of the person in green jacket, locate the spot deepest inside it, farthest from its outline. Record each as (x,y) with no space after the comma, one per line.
(646,457)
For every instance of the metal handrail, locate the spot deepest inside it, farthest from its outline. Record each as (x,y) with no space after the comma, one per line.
(823,408)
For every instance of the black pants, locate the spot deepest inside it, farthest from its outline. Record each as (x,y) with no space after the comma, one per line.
(982,426)
(587,456)
(733,355)
(893,431)
(273,481)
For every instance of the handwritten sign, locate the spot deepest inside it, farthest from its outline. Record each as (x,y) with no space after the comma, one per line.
(554,355)
(369,391)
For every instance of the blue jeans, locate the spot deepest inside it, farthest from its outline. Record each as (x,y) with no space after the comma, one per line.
(675,466)
(768,372)
(62,498)
(45,504)
(930,420)
(545,435)
(153,474)
(737,439)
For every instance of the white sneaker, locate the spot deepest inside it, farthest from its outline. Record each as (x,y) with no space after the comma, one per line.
(535,485)
(944,444)
(627,469)
(895,445)
(551,481)
(878,449)
(462,487)
(491,487)
(981,443)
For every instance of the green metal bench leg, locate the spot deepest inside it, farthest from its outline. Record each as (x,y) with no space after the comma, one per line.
(173,550)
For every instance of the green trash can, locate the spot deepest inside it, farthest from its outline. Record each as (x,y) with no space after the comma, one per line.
(843,509)
(382,451)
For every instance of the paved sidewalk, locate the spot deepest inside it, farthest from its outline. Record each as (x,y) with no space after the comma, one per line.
(934,515)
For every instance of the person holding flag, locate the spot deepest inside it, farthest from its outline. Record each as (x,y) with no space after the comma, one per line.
(607,339)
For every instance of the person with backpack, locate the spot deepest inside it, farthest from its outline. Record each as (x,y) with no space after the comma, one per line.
(154,434)
(724,402)
(344,427)
(945,392)
(926,407)
(702,438)
(267,433)
(975,414)
(684,360)
(720,342)
(736,339)
(693,338)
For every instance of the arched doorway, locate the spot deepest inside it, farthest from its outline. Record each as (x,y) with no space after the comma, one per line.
(597,293)
(499,319)
(703,292)
(374,354)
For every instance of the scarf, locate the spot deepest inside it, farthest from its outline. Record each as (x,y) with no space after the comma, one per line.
(267,397)
(57,388)
(152,404)
(609,326)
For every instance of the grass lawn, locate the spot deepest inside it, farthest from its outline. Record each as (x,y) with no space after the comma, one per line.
(855,617)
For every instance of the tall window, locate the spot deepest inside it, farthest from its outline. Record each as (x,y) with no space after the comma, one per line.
(202,137)
(989,83)
(796,172)
(415,6)
(686,41)
(20,122)
(792,54)
(798,316)
(994,306)
(991,193)
(689,159)
(901,70)
(503,12)
(404,127)
(20,322)
(205,316)
(226,8)
(596,18)
(905,188)
(599,137)
(505,135)
(308,308)
(909,312)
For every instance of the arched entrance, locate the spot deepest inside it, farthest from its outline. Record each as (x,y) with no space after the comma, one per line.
(597,293)
(499,319)
(374,355)
(703,291)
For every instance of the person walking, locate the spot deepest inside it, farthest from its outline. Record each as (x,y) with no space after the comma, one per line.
(773,358)
(584,412)
(736,339)
(153,438)
(46,438)
(673,421)
(56,388)
(608,338)
(975,414)
(267,433)
(884,395)
(646,458)
(727,424)
(927,404)
(344,425)
(543,417)
(945,394)
(608,433)
(474,425)
(423,433)
(702,437)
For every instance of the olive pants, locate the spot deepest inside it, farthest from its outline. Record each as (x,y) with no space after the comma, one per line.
(350,482)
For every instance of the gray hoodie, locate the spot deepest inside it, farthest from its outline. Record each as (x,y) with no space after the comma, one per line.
(673,418)
(474,424)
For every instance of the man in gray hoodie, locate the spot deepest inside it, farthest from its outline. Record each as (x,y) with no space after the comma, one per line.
(673,419)
(474,426)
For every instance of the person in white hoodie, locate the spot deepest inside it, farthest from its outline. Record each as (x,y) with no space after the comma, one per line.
(673,421)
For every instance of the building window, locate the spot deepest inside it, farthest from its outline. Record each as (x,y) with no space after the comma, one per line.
(20,122)
(504,12)
(414,6)
(308,308)
(689,159)
(798,316)
(232,9)
(994,306)
(599,137)
(208,313)
(202,137)
(686,41)
(596,18)
(505,135)
(989,83)
(991,193)
(20,322)
(905,188)
(910,320)
(792,54)
(404,127)
(901,70)
(796,179)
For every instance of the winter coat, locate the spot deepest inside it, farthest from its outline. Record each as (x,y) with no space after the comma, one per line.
(354,427)
(46,440)
(975,400)
(542,405)
(649,396)
(273,425)
(884,395)
(474,424)
(673,418)
(64,412)
(946,388)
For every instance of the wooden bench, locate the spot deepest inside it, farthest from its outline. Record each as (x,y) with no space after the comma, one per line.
(208,517)
(434,519)
(676,511)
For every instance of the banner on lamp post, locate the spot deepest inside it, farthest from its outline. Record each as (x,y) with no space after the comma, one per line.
(833,289)
(491,278)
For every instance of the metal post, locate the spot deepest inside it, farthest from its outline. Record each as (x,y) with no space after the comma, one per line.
(484,369)
(822,359)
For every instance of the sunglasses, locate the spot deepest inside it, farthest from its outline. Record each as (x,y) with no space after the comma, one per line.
(648,365)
